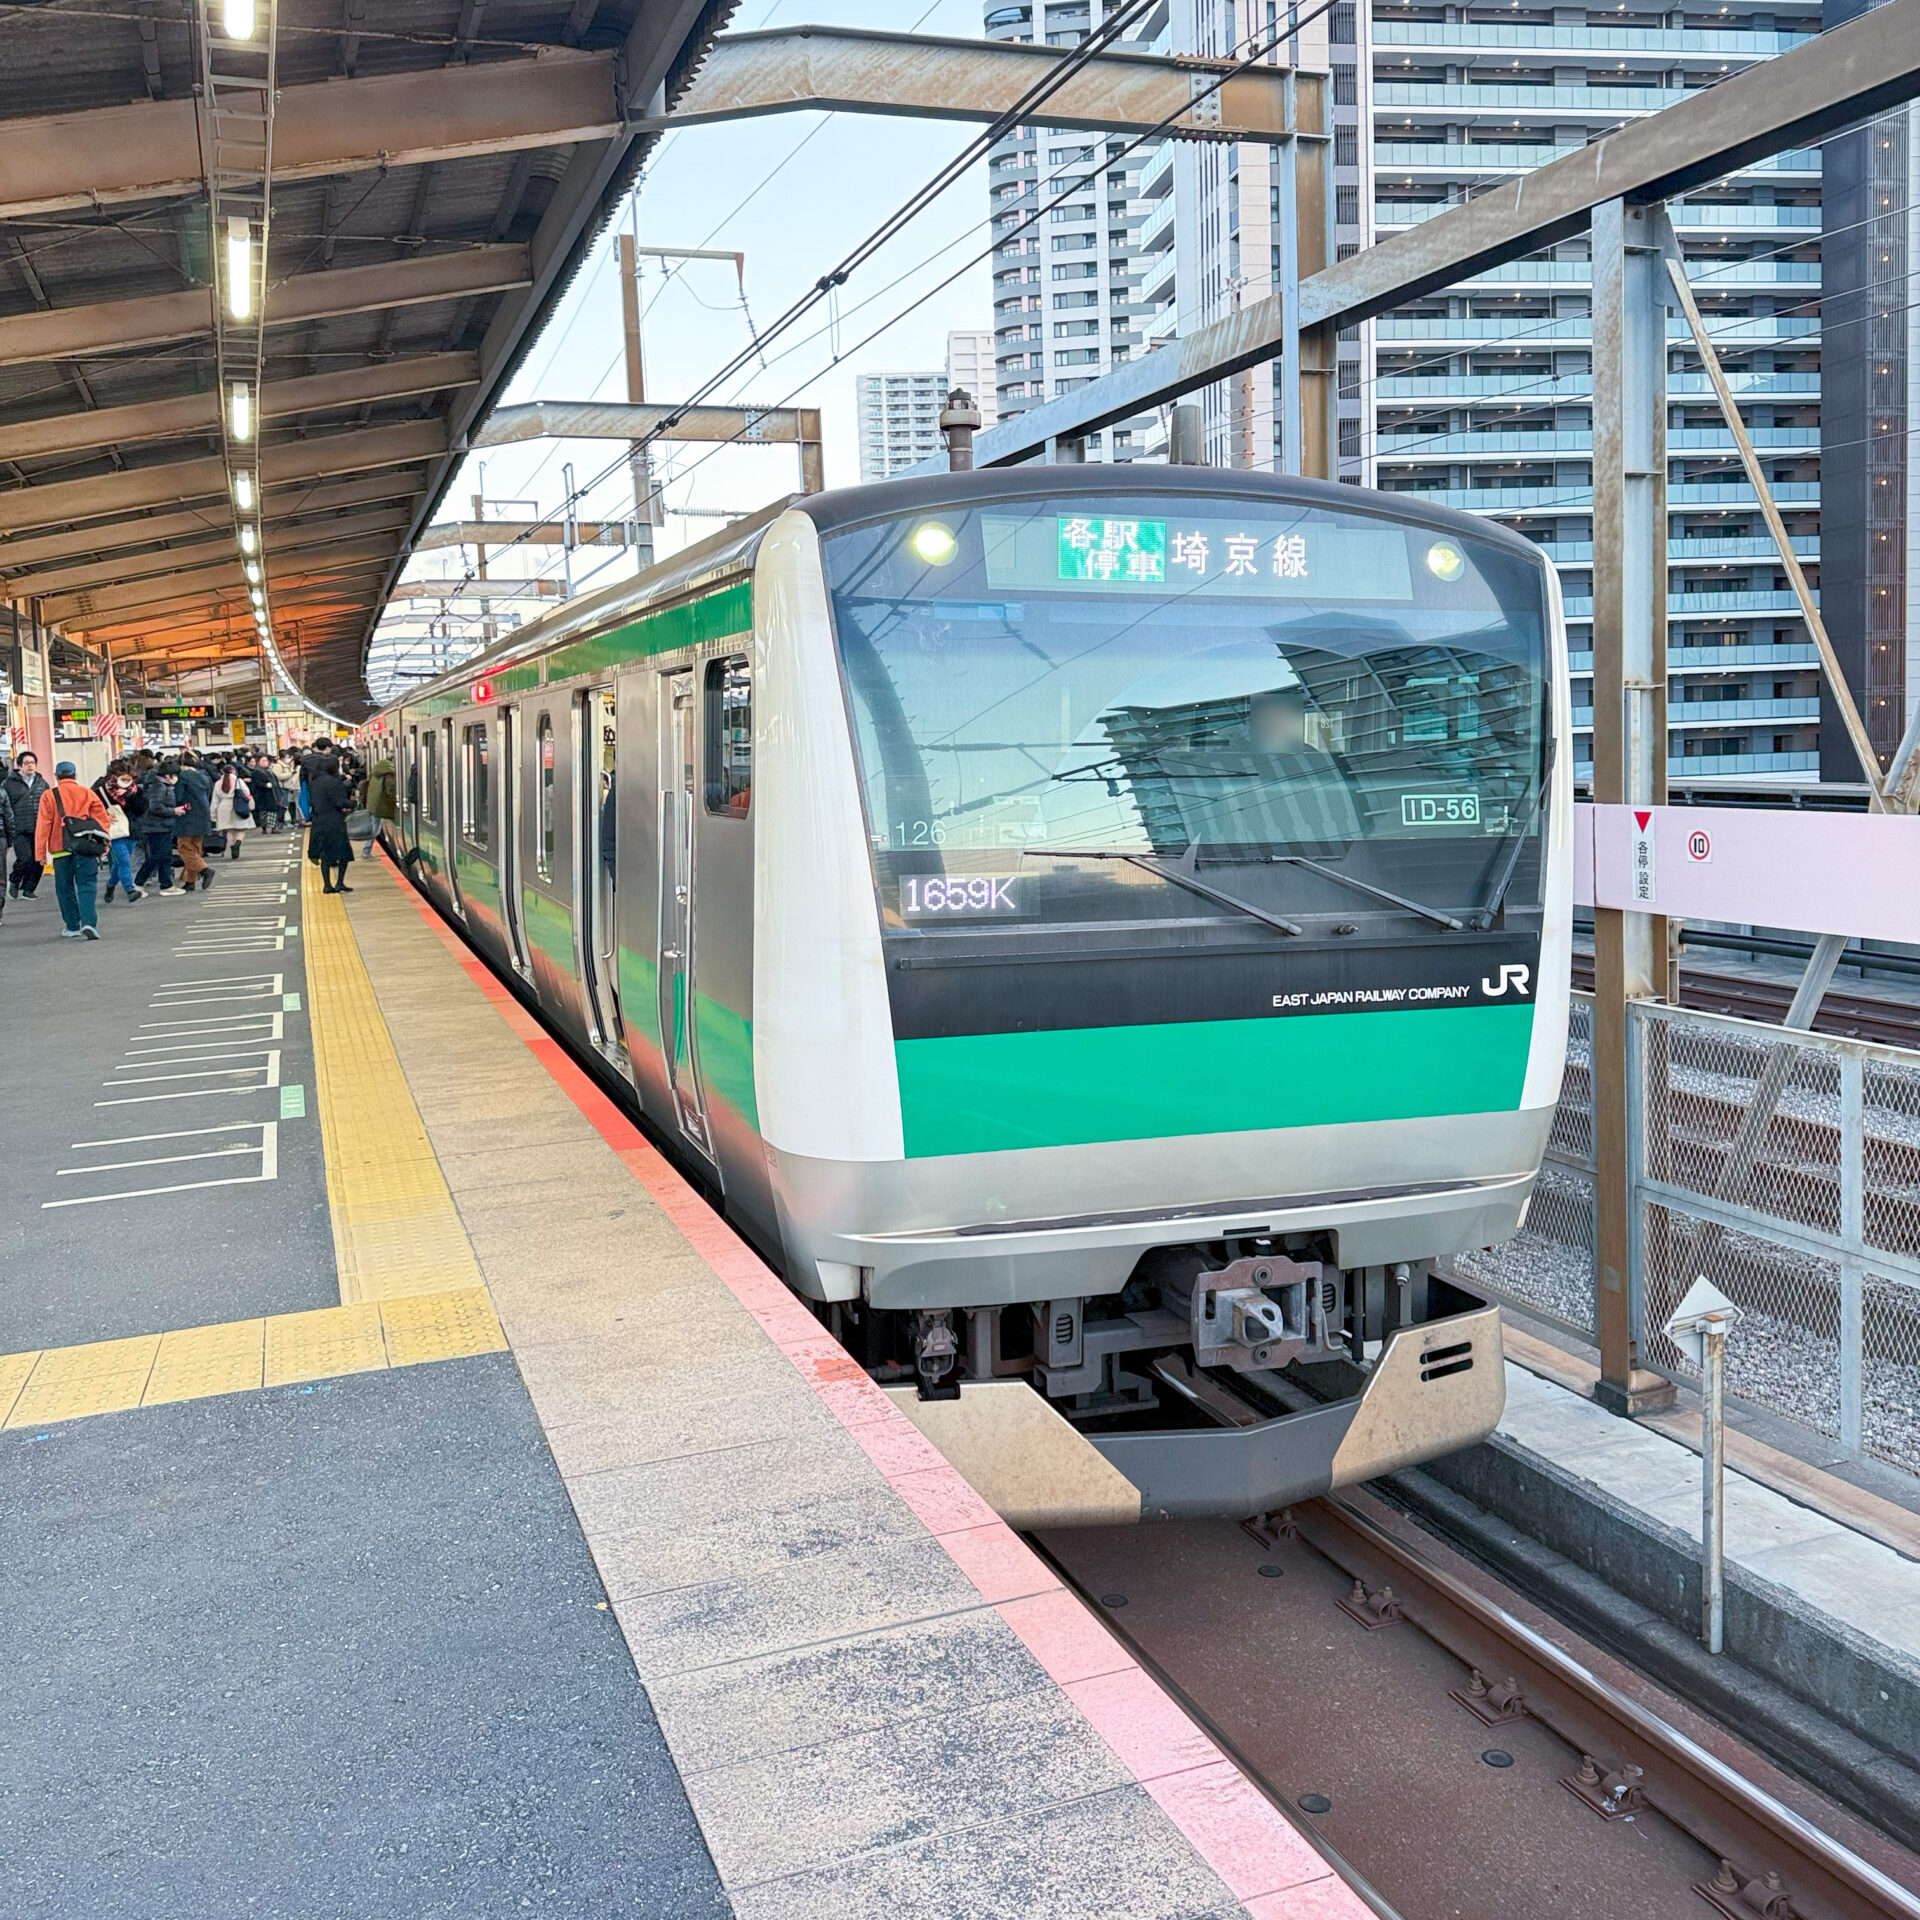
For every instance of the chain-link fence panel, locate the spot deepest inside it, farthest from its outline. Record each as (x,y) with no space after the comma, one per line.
(1547,1269)
(1737,1117)
(1890,1203)
(1890,1385)
(1784,1354)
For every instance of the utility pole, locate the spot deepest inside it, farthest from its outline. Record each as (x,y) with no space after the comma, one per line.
(645,506)
(480,570)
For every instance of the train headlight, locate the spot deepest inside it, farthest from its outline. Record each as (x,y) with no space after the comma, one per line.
(1445,561)
(934,543)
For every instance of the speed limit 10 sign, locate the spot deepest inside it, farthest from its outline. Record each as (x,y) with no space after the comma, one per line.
(1700,847)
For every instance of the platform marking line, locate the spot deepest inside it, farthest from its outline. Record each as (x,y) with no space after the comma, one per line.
(268,1149)
(44,1387)
(395,1228)
(1263,1860)
(267,982)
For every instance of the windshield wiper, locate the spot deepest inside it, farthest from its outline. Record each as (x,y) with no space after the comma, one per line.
(1510,861)
(1180,874)
(1434,914)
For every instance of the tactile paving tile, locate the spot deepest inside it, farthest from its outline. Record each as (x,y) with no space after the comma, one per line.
(105,1376)
(323,1344)
(395,1228)
(440,1326)
(14,1369)
(198,1361)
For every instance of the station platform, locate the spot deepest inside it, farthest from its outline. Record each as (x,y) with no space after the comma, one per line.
(415,1500)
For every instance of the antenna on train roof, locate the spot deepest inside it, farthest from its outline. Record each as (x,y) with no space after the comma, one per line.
(959,422)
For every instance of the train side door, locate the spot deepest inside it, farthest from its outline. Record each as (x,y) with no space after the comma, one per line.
(410,786)
(596,906)
(512,786)
(679,748)
(452,803)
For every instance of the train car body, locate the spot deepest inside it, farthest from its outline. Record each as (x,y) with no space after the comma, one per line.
(1104,926)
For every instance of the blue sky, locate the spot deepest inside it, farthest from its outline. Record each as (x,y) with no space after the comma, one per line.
(794,192)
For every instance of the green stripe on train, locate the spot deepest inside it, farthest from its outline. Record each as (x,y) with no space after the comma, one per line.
(693,623)
(986,1093)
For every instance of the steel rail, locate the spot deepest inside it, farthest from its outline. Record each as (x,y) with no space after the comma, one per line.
(1729,1815)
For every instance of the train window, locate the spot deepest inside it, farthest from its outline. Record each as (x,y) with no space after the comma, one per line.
(543,855)
(430,777)
(476,795)
(729,736)
(1054,698)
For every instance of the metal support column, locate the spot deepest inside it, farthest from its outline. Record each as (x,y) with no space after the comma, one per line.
(1630,297)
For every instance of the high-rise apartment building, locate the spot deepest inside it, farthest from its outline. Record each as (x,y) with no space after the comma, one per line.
(1870,388)
(1067,303)
(899,420)
(970,368)
(1482,395)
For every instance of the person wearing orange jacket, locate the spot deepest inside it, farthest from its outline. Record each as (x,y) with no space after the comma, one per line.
(72,834)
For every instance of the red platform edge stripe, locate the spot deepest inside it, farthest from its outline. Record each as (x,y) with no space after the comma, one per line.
(1266,1863)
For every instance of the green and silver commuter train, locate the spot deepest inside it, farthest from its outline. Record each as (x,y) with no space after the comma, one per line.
(1104,928)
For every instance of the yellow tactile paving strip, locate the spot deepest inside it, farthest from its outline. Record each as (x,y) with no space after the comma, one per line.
(395,1228)
(112,1376)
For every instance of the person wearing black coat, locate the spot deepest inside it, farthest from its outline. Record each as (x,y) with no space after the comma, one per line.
(191,831)
(329,801)
(24,786)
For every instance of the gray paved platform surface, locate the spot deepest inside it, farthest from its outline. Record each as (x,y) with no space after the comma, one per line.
(140,1068)
(318,1653)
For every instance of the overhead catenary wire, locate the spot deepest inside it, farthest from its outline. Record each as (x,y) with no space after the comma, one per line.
(1265,45)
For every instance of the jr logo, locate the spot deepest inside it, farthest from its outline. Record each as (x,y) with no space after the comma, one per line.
(1510,976)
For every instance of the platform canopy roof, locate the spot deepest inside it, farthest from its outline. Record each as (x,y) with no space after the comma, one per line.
(439,169)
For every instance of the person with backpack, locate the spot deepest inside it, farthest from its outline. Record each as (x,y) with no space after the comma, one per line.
(232,809)
(73,835)
(160,814)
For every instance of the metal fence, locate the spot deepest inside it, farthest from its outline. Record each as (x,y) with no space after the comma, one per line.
(1547,1270)
(1785,1167)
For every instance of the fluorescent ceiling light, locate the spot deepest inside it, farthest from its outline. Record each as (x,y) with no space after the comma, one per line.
(243,490)
(240,410)
(239,266)
(239,19)
(249,538)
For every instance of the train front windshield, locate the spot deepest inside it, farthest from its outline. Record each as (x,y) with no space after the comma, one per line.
(1056,700)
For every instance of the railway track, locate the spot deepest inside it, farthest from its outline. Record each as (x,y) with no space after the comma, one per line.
(1851,1016)
(1455,1752)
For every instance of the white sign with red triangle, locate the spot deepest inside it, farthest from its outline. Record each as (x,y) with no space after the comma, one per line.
(1641,857)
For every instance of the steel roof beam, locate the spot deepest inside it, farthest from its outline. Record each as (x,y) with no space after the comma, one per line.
(153,149)
(189,523)
(196,413)
(179,481)
(625,420)
(98,606)
(1845,75)
(843,70)
(209,606)
(533,533)
(216,543)
(112,326)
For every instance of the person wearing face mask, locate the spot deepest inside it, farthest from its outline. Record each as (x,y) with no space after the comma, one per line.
(120,793)
(165,806)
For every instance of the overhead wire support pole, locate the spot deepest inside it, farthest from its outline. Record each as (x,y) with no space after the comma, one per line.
(1630,246)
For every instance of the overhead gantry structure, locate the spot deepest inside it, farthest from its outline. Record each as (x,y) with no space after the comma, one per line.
(402,190)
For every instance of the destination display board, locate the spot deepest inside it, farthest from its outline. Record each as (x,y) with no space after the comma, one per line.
(1313,559)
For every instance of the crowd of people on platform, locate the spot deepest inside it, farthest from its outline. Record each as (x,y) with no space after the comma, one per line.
(158,823)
